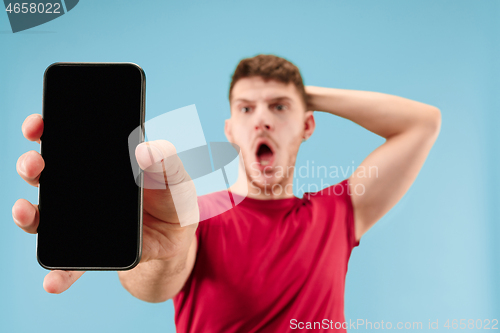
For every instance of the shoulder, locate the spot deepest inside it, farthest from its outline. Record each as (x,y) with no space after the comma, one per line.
(334,205)
(338,194)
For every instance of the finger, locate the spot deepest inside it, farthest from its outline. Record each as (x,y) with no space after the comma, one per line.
(29,166)
(58,281)
(169,193)
(26,215)
(161,164)
(159,159)
(33,127)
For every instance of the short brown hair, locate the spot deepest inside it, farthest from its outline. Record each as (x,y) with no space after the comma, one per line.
(269,67)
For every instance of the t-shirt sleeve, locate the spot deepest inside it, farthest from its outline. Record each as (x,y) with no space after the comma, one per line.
(336,203)
(349,214)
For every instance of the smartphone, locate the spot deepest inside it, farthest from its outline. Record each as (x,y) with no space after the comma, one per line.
(90,204)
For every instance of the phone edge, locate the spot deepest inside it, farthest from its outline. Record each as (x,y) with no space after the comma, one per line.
(141,196)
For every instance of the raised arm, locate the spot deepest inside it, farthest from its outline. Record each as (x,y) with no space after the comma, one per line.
(410,129)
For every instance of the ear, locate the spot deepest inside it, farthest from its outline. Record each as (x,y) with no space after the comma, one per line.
(309,124)
(228,130)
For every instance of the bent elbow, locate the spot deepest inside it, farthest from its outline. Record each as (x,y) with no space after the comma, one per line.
(432,122)
(150,297)
(154,300)
(437,120)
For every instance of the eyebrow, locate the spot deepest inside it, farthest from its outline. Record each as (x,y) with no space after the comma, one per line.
(274,99)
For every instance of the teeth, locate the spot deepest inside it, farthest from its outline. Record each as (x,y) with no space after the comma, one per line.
(264,162)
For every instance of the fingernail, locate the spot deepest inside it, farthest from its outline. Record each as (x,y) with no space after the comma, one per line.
(154,154)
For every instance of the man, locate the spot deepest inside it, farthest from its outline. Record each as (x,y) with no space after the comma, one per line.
(275,262)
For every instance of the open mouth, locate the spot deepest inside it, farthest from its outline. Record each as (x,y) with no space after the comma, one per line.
(264,154)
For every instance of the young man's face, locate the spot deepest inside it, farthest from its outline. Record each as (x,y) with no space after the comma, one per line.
(268,122)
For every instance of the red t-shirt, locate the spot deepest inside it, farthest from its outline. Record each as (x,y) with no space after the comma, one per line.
(270,265)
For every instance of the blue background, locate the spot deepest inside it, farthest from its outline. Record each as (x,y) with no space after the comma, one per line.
(434,256)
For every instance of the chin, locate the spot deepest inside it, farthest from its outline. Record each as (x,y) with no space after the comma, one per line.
(263,183)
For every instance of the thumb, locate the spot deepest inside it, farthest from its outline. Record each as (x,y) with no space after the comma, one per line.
(169,192)
(160,162)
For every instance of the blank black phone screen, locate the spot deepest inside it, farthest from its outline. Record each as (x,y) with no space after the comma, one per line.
(90,204)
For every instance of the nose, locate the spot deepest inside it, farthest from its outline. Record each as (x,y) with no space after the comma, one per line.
(263,119)
(263,126)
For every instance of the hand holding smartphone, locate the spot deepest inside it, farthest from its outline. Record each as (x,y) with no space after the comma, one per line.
(91,212)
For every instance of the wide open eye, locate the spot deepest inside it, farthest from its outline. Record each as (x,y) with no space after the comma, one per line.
(280,107)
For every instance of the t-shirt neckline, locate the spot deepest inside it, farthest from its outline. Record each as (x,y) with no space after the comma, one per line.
(265,203)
